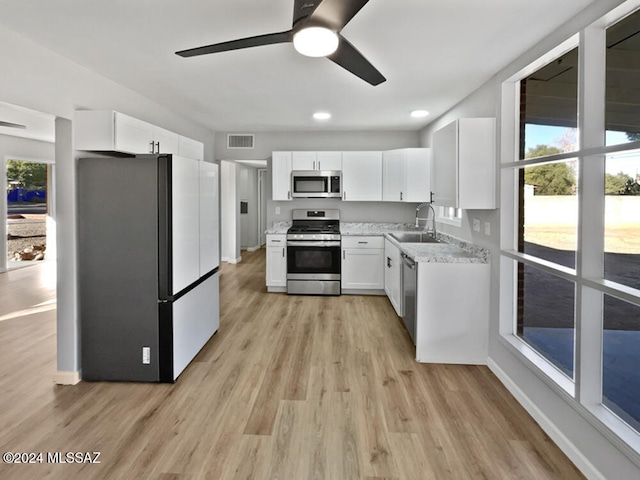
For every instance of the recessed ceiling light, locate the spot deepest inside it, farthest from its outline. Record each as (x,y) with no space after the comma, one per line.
(322,116)
(419,113)
(315,41)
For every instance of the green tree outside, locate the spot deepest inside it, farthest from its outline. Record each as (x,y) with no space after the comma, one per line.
(32,176)
(551,178)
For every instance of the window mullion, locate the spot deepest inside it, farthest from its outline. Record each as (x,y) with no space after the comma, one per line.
(589,261)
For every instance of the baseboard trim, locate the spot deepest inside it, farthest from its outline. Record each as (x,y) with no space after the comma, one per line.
(559,438)
(66,378)
(231,260)
(253,249)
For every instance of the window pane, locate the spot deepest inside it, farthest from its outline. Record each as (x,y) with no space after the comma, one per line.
(622,219)
(549,212)
(549,108)
(623,81)
(621,358)
(546,315)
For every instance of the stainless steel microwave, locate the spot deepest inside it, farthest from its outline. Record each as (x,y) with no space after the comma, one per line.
(316,184)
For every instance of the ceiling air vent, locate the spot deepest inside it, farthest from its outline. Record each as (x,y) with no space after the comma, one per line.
(240,141)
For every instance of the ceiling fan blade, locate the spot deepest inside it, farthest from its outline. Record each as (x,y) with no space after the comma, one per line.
(349,58)
(257,41)
(303,9)
(12,125)
(337,13)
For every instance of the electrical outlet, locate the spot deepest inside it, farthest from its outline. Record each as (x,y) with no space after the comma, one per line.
(277,210)
(487,228)
(476,225)
(146,355)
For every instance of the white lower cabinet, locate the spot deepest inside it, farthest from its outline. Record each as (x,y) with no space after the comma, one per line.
(276,263)
(362,264)
(393,275)
(452,324)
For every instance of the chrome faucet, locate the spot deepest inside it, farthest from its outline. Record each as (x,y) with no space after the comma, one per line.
(431,232)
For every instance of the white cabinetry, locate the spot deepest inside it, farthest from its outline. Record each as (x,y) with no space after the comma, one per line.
(406,175)
(276,262)
(281,175)
(190,148)
(464,164)
(452,324)
(316,160)
(110,131)
(362,176)
(393,275)
(362,264)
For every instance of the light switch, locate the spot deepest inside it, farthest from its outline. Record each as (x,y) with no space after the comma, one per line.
(487,228)
(476,225)
(277,210)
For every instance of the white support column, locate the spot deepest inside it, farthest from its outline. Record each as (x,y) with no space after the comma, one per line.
(67,319)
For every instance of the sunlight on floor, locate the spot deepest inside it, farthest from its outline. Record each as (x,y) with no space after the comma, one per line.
(40,308)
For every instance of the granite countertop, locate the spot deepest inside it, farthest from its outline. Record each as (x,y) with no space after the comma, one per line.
(449,250)
(278,227)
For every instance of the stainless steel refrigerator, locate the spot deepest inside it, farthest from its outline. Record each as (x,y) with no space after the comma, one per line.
(147,265)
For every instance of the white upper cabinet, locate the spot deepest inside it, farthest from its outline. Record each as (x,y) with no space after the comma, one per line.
(109,131)
(106,130)
(362,176)
(303,160)
(464,164)
(406,175)
(165,141)
(329,161)
(281,175)
(316,160)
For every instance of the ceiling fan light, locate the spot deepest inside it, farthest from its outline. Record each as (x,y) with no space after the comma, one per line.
(315,41)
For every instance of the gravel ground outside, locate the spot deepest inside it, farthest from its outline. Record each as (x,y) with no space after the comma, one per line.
(24,233)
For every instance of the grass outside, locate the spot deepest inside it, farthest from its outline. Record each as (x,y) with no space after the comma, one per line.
(618,239)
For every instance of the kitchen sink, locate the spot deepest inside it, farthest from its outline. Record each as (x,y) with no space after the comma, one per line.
(413,237)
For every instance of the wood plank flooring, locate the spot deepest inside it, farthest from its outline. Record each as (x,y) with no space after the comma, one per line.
(291,388)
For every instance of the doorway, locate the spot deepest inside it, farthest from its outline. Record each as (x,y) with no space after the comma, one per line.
(30,225)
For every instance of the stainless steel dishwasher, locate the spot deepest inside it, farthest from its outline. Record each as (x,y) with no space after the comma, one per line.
(409,281)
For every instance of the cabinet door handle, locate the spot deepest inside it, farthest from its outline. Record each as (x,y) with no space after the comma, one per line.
(289,194)
(344,195)
(363,242)
(276,241)
(400,195)
(282,252)
(388,262)
(319,167)
(314,165)
(343,255)
(158,147)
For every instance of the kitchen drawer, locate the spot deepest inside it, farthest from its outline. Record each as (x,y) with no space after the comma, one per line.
(362,241)
(276,240)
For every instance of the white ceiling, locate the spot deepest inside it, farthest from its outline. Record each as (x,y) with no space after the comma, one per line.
(433,54)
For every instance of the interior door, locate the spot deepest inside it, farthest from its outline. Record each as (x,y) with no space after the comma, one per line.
(185,231)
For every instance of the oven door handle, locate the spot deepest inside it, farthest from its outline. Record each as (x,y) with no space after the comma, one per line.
(312,243)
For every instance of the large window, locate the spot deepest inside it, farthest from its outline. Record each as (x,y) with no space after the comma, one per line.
(570,280)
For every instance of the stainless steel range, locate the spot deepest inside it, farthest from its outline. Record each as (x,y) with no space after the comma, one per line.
(313,253)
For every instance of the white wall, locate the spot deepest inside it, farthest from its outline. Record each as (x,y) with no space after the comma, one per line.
(585,444)
(37,78)
(23,149)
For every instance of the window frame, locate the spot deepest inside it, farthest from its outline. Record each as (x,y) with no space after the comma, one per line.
(585,393)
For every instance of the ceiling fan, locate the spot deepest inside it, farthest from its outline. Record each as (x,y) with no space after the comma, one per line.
(11,125)
(316,33)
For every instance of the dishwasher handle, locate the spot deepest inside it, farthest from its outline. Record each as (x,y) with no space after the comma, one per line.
(408,261)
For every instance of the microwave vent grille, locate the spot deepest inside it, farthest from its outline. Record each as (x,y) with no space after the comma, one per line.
(244,140)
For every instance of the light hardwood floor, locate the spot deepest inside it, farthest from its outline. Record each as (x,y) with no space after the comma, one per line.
(290,388)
